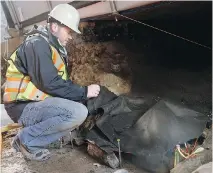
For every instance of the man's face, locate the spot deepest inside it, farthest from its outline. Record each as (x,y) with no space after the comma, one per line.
(63,33)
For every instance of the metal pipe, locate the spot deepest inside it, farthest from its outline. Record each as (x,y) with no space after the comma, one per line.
(13,11)
(8,16)
(102,8)
(119,151)
(96,9)
(49,4)
(126,5)
(113,6)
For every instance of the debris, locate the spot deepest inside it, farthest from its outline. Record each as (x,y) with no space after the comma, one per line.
(115,84)
(4,131)
(109,159)
(119,150)
(206,168)
(198,150)
(189,165)
(176,158)
(96,164)
(10,127)
(79,141)
(95,151)
(121,171)
(61,142)
(71,140)
(7,138)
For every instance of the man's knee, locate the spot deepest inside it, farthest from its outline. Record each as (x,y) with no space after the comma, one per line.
(71,111)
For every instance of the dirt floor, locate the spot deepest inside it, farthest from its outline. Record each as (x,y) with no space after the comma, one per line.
(62,161)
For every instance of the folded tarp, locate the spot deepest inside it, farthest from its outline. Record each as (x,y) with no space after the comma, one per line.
(148,129)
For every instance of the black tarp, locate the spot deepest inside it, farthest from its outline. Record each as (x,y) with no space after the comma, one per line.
(148,128)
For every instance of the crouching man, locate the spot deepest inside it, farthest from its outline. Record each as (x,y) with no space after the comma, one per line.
(39,94)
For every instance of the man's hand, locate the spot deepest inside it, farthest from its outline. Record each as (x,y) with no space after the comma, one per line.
(93,90)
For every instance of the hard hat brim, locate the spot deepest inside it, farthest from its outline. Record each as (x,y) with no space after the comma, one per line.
(77,30)
(74,29)
(66,15)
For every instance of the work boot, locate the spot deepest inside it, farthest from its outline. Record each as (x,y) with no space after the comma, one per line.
(38,155)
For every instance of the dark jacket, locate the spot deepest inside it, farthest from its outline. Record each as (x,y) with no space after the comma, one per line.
(34,58)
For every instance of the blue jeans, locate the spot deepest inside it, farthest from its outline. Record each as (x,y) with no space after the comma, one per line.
(47,121)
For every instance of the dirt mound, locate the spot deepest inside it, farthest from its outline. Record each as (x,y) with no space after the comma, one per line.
(92,63)
(114,83)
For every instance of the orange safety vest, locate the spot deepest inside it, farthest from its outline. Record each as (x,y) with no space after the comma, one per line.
(19,87)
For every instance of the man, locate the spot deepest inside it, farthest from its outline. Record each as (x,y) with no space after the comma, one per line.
(39,94)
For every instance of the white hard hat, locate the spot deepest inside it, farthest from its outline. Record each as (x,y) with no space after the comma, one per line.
(67,15)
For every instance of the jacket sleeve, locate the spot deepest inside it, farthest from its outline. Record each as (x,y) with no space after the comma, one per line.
(44,75)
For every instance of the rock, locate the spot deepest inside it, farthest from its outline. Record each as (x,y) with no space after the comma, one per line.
(206,168)
(115,84)
(96,164)
(79,141)
(189,165)
(109,159)
(121,171)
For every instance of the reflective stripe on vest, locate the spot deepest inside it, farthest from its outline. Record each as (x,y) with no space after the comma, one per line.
(19,87)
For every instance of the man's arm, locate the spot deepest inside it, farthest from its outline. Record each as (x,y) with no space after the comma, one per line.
(44,75)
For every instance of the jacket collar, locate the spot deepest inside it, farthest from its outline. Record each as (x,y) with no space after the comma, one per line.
(56,43)
(53,40)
